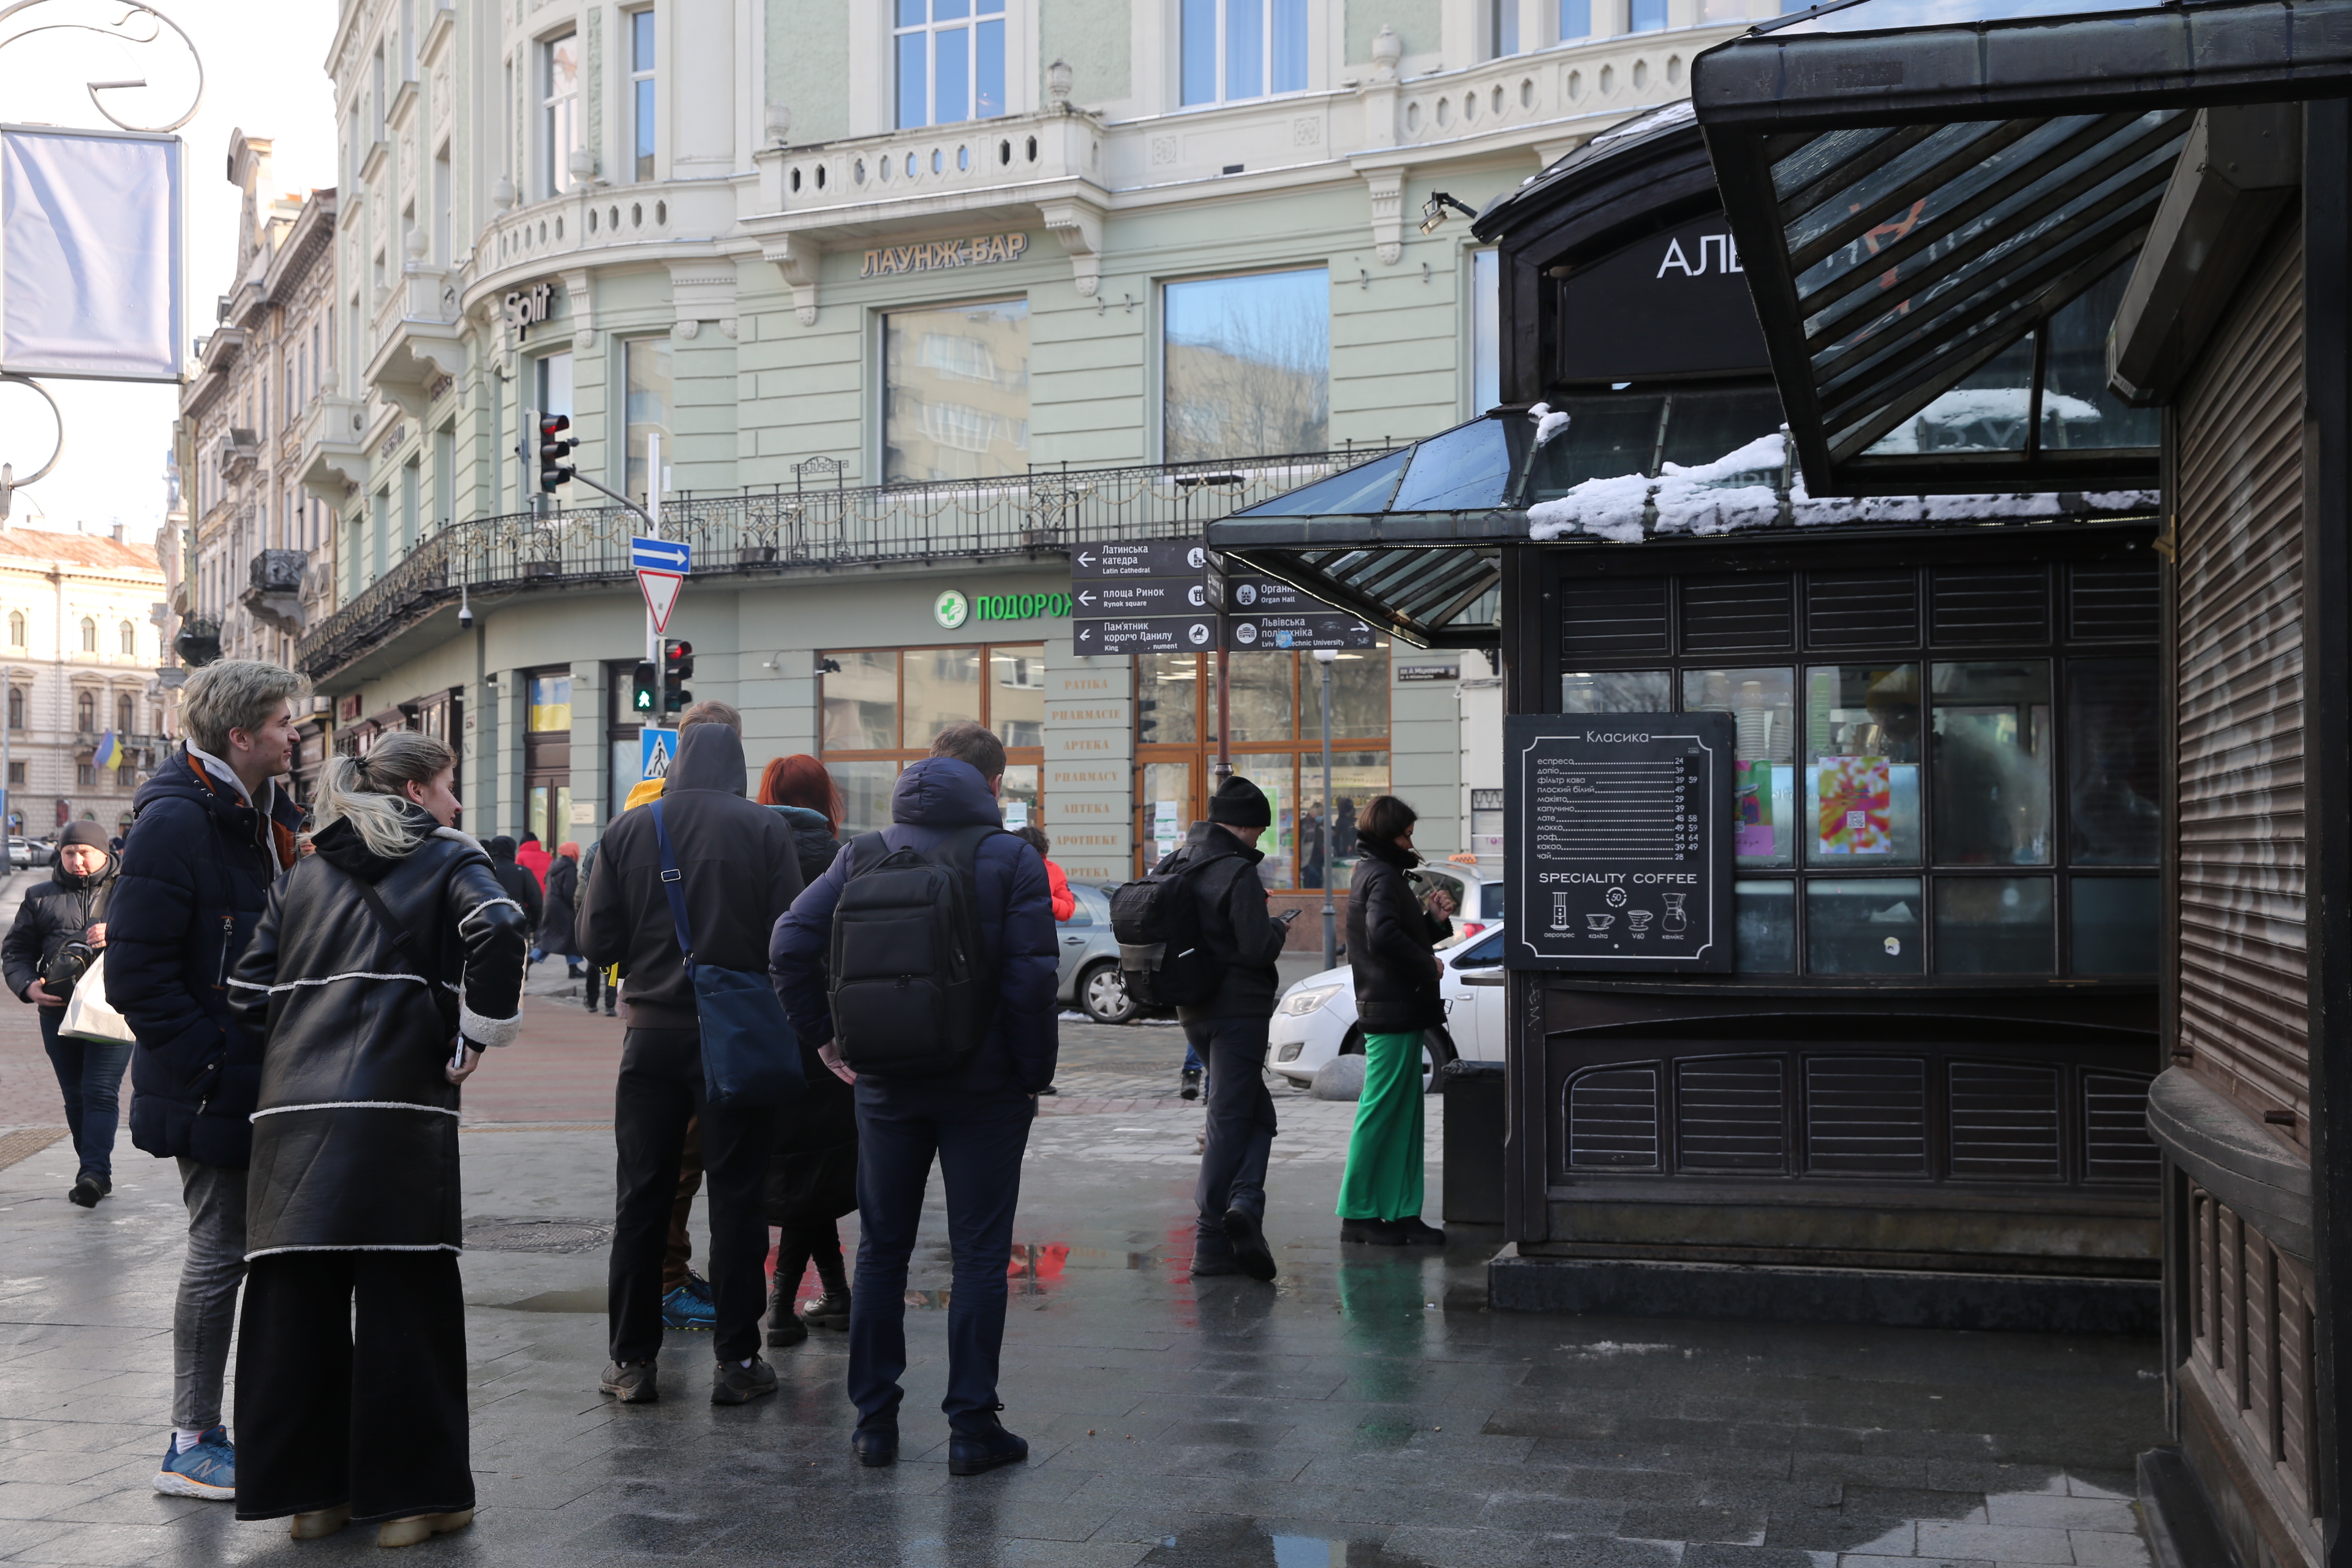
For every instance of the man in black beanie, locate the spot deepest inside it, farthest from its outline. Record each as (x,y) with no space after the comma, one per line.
(1229,1030)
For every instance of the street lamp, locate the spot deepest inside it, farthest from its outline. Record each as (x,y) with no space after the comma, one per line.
(1323,657)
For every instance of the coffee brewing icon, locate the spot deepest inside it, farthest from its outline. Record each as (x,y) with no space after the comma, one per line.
(1559,911)
(1675,919)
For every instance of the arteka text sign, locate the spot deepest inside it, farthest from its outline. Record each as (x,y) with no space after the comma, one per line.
(1619,837)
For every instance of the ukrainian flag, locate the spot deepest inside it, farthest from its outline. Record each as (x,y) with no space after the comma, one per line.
(109,754)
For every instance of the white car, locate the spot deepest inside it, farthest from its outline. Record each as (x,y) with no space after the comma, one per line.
(1316,1019)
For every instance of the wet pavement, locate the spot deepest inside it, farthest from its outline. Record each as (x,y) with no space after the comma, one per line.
(1365,1409)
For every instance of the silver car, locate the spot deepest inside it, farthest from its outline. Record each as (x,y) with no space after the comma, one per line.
(1087,977)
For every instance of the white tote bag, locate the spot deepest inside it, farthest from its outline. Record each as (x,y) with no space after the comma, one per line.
(88,1016)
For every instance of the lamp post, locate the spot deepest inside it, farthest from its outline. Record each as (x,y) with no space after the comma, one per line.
(1323,659)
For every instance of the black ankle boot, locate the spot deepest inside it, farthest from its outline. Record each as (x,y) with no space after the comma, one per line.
(830,1311)
(784,1328)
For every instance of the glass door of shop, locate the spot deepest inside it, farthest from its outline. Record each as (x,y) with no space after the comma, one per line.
(547,757)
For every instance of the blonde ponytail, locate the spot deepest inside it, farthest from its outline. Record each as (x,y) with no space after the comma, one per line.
(366,792)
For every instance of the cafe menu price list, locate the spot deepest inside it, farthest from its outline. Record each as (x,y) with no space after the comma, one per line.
(1619,841)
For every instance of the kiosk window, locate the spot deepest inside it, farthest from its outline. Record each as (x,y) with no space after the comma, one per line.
(1992,747)
(1617,692)
(1994,925)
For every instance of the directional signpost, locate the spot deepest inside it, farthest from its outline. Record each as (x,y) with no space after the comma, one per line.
(1160,596)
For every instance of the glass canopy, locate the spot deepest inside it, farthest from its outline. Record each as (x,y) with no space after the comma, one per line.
(1938,203)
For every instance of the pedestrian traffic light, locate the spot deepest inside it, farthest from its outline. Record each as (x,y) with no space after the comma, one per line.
(646,694)
(552,449)
(677,669)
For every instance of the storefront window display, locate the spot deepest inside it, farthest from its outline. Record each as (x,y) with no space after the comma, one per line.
(881,707)
(1274,700)
(955,391)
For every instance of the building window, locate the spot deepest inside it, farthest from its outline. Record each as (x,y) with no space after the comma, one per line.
(86,775)
(554,388)
(1275,704)
(1576,19)
(641,120)
(1486,329)
(879,709)
(955,391)
(125,713)
(646,369)
(16,708)
(15,773)
(950,61)
(1645,15)
(1247,362)
(130,640)
(88,634)
(86,713)
(1503,28)
(1243,48)
(16,628)
(559,83)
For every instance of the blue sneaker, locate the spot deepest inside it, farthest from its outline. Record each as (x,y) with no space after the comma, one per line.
(698,1287)
(207,1470)
(684,1309)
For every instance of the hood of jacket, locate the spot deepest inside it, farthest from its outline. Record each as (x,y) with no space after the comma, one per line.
(942,792)
(801,819)
(1208,840)
(709,756)
(501,849)
(338,844)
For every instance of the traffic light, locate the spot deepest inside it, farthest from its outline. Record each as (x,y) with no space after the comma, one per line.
(552,449)
(646,695)
(677,669)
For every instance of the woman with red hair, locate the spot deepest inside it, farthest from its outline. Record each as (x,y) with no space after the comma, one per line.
(813,1164)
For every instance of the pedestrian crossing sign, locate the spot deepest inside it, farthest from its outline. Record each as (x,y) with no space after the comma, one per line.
(655,748)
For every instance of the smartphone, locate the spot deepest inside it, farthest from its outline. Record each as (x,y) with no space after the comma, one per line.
(1286,916)
(458,1061)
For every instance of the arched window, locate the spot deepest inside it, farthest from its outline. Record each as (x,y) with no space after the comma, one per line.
(16,708)
(16,628)
(86,709)
(88,634)
(123,713)
(130,639)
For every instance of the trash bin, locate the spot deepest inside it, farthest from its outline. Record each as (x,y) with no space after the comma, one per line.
(1473,1142)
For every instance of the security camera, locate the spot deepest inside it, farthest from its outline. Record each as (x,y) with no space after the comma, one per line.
(466,618)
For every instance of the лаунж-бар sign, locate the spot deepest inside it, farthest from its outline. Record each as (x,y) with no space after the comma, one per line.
(1619,841)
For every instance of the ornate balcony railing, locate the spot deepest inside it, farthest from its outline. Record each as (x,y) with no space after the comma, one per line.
(815,526)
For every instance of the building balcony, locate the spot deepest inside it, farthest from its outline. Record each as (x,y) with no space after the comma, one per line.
(673,223)
(1046,512)
(332,462)
(418,352)
(199,642)
(236,451)
(273,594)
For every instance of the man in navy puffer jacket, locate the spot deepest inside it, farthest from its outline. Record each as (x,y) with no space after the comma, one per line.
(976,1123)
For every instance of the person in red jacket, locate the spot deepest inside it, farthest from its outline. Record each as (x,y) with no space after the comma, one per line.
(533,857)
(1066,903)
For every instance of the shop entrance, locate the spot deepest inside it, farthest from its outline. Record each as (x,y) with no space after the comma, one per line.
(547,756)
(881,708)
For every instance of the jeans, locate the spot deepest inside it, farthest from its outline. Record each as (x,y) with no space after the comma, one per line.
(350,1386)
(205,1316)
(659,1091)
(90,1075)
(1240,1122)
(978,1139)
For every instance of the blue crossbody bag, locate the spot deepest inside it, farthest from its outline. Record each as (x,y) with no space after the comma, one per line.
(750,1058)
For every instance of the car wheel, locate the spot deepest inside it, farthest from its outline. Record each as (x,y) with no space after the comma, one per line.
(1436,1050)
(1353,1043)
(1103,996)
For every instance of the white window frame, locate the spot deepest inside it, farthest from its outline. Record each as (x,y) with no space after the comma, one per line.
(560,126)
(645,98)
(1266,21)
(969,23)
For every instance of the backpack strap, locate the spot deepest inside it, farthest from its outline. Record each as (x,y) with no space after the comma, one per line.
(866,851)
(673,883)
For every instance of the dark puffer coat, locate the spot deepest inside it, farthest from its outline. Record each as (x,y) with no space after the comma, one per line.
(1388,938)
(812,840)
(54,913)
(196,874)
(812,1162)
(356,1140)
(555,922)
(1234,922)
(516,878)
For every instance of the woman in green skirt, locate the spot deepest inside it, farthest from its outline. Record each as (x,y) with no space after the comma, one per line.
(1396,973)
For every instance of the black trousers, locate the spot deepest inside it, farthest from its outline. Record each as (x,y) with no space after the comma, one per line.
(660,1091)
(1241,1121)
(805,1242)
(350,1385)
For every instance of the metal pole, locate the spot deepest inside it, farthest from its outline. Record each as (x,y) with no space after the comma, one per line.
(1323,657)
(1225,661)
(653,529)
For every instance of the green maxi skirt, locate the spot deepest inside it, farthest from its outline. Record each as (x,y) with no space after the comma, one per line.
(1382,1180)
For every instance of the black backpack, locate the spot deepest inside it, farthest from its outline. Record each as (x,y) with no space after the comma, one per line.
(910,997)
(1162,954)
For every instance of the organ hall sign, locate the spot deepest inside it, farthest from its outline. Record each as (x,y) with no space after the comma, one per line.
(937,255)
(1619,835)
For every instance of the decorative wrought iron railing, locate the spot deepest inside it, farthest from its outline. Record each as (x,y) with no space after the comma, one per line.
(815,527)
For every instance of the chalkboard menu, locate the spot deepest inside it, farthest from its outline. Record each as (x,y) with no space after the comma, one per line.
(1619,837)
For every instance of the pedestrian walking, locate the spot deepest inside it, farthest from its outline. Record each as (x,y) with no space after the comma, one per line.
(1228,1030)
(213,833)
(602,978)
(389,960)
(557,923)
(1396,974)
(1065,902)
(948,1062)
(60,927)
(533,857)
(520,885)
(737,872)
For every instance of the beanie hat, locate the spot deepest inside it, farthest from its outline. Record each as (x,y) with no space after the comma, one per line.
(88,833)
(1240,804)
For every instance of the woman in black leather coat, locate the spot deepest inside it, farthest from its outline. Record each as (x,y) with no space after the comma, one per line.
(812,1163)
(389,957)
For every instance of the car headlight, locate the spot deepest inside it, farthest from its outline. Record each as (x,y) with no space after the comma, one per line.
(1298,1003)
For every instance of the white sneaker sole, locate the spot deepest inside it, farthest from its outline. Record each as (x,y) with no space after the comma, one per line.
(171,1483)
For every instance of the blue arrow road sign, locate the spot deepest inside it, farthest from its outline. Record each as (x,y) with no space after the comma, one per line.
(659,554)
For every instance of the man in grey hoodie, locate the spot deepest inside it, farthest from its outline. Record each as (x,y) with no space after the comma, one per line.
(739,874)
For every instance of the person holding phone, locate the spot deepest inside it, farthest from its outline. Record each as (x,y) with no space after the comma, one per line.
(59,930)
(388,959)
